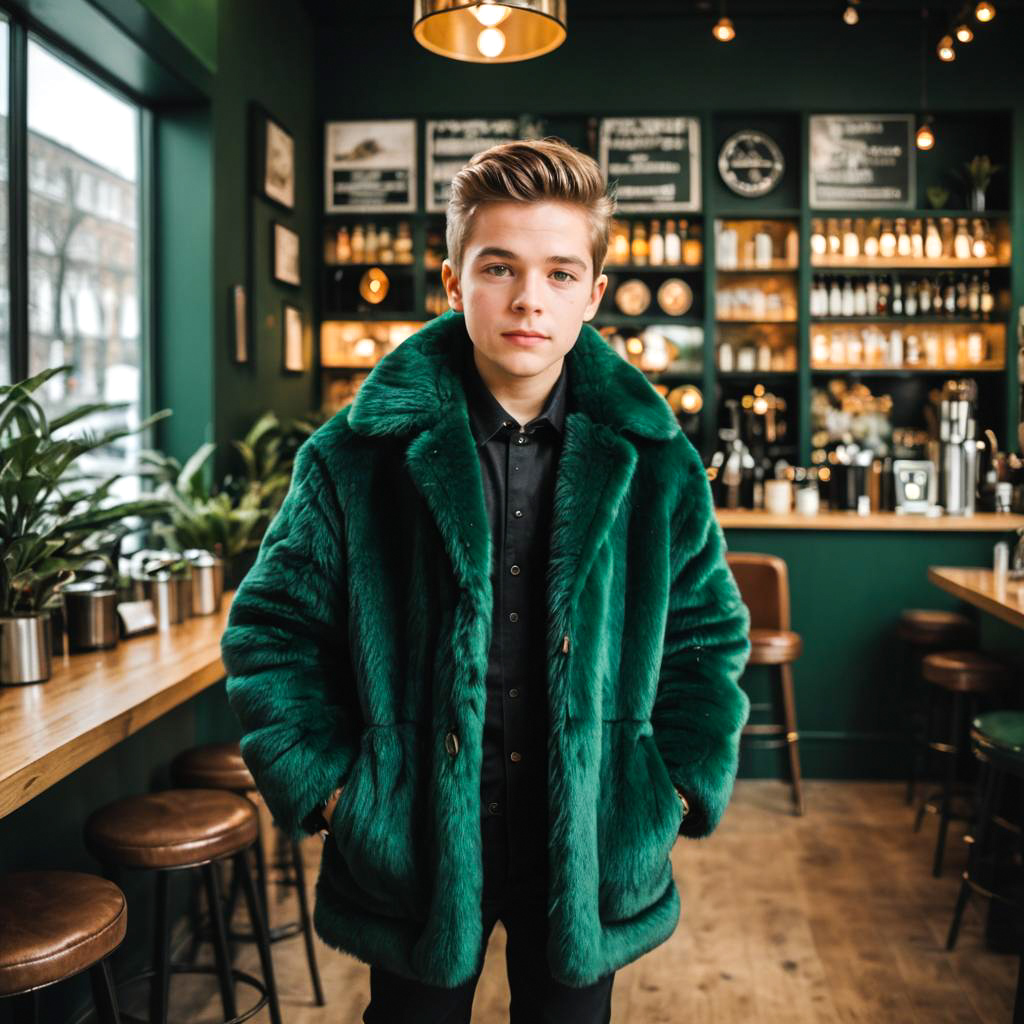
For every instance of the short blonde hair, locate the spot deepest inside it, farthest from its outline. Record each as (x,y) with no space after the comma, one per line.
(529,171)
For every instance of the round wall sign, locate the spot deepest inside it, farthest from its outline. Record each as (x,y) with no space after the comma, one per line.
(751,163)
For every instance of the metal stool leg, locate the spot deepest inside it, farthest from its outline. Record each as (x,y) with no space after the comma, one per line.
(307,922)
(948,780)
(220,942)
(918,723)
(160,985)
(979,850)
(262,873)
(927,751)
(792,736)
(104,995)
(259,924)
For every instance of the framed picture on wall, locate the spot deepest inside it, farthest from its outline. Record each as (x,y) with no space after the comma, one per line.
(291,338)
(276,160)
(240,323)
(285,254)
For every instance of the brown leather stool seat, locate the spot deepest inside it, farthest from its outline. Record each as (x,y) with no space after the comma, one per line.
(931,627)
(171,829)
(213,766)
(964,671)
(54,924)
(774,646)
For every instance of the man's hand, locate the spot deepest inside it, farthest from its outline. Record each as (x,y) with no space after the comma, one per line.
(329,809)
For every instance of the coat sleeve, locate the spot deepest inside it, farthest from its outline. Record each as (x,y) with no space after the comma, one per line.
(700,709)
(289,676)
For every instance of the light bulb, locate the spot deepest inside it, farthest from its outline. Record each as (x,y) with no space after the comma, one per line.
(964,33)
(491,42)
(850,15)
(945,49)
(925,137)
(985,12)
(489,15)
(724,31)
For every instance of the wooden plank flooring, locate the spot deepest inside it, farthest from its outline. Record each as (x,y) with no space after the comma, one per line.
(833,917)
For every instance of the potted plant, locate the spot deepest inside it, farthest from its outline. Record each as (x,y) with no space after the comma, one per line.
(978,175)
(54,519)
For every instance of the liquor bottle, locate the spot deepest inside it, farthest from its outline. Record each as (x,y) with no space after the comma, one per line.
(693,250)
(860,299)
(358,244)
(883,297)
(385,250)
(815,302)
(887,241)
(917,240)
(657,244)
(835,242)
(946,231)
(851,243)
(895,347)
(987,301)
(910,303)
(961,241)
(871,297)
(819,246)
(974,296)
(924,296)
(620,242)
(871,240)
(902,238)
(949,296)
(763,250)
(848,299)
(897,297)
(343,246)
(932,242)
(673,250)
(639,249)
(835,298)
(792,247)
(403,243)
(979,245)
(370,252)
(961,297)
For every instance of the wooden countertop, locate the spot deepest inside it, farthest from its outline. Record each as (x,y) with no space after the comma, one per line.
(94,700)
(996,595)
(758,519)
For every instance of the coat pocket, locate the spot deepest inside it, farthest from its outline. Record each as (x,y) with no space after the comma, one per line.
(378,827)
(639,815)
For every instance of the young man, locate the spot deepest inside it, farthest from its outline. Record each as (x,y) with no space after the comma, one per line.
(491,645)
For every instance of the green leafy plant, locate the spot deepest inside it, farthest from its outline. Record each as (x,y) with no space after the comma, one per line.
(937,196)
(979,172)
(55,520)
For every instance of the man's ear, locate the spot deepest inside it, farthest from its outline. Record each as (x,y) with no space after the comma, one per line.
(596,294)
(450,280)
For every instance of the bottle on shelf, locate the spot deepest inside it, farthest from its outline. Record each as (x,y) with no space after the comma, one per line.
(693,249)
(887,241)
(851,243)
(932,242)
(673,249)
(961,240)
(792,247)
(656,245)
(343,246)
(916,240)
(620,242)
(903,245)
(819,245)
(987,299)
(385,250)
(370,250)
(871,239)
(403,243)
(639,250)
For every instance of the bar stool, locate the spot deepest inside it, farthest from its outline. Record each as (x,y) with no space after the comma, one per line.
(54,925)
(179,830)
(220,766)
(964,676)
(924,631)
(764,585)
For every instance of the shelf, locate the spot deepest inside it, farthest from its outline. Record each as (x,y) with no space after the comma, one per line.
(908,264)
(730,321)
(782,268)
(621,320)
(658,268)
(782,213)
(906,371)
(914,321)
(751,374)
(373,316)
(892,213)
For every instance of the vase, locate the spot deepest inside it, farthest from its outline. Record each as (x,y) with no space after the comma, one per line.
(977,198)
(26,648)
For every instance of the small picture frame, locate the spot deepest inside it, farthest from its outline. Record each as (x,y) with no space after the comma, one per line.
(293,360)
(276,166)
(285,255)
(240,323)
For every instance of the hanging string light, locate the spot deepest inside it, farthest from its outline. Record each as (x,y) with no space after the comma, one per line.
(985,11)
(945,49)
(851,15)
(723,31)
(925,138)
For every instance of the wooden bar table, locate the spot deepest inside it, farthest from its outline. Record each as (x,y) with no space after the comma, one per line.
(95,699)
(996,594)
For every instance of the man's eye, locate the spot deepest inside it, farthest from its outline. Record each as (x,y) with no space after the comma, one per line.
(496,267)
(567,277)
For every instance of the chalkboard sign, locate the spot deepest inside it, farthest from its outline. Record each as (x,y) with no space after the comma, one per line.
(370,166)
(654,161)
(862,160)
(451,143)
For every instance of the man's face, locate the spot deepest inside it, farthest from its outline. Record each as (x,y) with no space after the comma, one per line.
(525,267)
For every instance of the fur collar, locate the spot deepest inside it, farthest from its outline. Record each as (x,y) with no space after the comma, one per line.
(412,386)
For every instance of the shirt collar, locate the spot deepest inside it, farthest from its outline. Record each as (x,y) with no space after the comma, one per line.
(487,415)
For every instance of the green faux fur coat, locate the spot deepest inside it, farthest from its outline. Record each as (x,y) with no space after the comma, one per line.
(356,651)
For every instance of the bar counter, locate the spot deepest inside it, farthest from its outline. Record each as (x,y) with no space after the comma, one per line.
(758,519)
(94,700)
(982,588)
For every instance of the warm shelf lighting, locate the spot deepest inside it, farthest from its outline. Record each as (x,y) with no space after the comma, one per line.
(529,28)
(945,49)
(985,11)
(963,32)
(724,31)
(925,137)
(851,16)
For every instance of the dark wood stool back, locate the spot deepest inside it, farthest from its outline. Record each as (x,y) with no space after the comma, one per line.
(764,583)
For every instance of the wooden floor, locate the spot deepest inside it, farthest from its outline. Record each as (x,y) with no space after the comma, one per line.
(831,917)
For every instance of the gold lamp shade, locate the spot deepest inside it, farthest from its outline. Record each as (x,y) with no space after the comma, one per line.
(489,31)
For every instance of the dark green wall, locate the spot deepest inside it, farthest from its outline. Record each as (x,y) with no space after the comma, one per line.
(194,22)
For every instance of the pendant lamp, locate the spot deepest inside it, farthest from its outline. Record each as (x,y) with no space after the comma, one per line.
(489,31)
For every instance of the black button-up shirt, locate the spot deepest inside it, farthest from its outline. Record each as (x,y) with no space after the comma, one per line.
(518,466)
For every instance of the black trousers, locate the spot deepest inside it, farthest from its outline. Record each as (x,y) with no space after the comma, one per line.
(515,892)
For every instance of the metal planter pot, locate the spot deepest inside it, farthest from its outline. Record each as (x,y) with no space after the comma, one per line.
(91,616)
(26,648)
(207,581)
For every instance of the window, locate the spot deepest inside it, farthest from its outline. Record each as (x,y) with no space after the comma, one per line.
(84,281)
(5,292)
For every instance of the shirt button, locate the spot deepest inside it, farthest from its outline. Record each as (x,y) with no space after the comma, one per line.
(515,756)
(520,439)
(514,570)
(513,616)
(493,807)
(451,743)
(514,692)
(518,513)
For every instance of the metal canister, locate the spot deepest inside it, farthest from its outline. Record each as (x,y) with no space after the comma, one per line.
(91,616)
(162,589)
(207,581)
(25,648)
